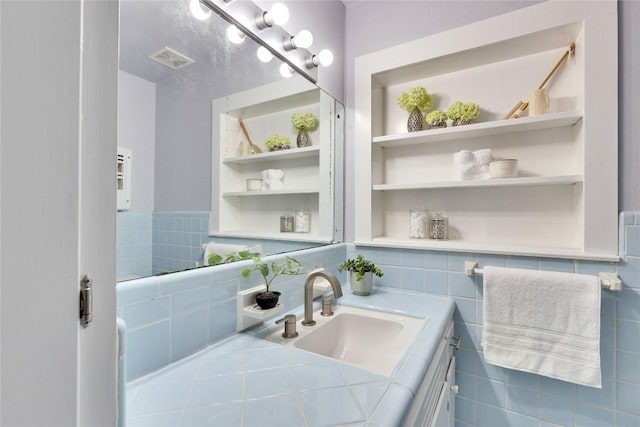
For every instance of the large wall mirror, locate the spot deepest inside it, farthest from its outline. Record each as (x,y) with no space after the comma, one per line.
(182,93)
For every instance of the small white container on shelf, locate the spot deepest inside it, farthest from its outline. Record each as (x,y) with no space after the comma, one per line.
(254,185)
(503,168)
(302,222)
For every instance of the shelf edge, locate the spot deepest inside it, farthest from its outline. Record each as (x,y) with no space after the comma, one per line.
(449,246)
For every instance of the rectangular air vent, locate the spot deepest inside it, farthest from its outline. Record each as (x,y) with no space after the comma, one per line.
(171,58)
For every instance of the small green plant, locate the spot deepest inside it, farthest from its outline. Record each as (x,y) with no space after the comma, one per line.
(215,259)
(277,141)
(304,122)
(462,113)
(436,117)
(289,267)
(418,97)
(360,266)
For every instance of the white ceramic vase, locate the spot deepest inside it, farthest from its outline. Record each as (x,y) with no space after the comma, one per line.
(363,286)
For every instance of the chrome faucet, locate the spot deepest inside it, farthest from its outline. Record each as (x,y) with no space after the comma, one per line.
(308,293)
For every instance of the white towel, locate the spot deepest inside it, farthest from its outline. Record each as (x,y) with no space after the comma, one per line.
(543,322)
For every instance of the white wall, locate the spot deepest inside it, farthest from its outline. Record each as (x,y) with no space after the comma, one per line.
(628,105)
(137,131)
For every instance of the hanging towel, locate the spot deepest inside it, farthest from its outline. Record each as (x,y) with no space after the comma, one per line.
(543,322)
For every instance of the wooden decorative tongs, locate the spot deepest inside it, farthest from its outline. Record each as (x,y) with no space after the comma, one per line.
(522,106)
(254,148)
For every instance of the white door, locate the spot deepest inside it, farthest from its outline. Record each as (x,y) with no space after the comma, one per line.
(57,211)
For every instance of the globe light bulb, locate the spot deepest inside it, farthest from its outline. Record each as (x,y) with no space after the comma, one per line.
(264,55)
(286,71)
(304,39)
(278,14)
(325,57)
(234,35)
(198,11)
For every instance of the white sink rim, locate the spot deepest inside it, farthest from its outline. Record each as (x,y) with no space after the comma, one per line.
(396,342)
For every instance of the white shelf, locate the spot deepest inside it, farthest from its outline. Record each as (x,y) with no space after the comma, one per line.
(290,237)
(485,183)
(309,172)
(292,153)
(270,193)
(255,312)
(487,248)
(477,130)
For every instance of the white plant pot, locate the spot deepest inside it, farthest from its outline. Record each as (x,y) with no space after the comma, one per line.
(364,286)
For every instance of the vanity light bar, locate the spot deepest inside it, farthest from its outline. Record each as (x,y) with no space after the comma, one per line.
(272,38)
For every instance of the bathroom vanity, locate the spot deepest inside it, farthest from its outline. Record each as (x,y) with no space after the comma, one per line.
(236,377)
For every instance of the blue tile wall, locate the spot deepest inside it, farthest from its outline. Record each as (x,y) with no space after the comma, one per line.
(134,240)
(178,239)
(493,396)
(160,242)
(202,308)
(173,315)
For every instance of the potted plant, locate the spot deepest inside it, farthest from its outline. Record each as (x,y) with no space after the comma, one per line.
(416,101)
(437,119)
(303,124)
(278,142)
(362,272)
(269,270)
(463,113)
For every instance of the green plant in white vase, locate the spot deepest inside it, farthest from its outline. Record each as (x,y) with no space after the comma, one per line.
(437,119)
(417,101)
(463,113)
(362,271)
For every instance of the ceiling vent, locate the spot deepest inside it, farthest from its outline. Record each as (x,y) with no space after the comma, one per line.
(170,58)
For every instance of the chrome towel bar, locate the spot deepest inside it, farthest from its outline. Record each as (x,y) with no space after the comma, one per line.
(609,281)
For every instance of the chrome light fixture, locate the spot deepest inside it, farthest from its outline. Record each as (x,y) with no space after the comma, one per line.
(324,58)
(277,15)
(304,40)
(286,71)
(198,11)
(264,55)
(234,35)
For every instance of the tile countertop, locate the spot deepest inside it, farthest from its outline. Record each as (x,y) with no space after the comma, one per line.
(248,381)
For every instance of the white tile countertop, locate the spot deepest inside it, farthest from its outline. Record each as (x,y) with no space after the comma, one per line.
(246,380)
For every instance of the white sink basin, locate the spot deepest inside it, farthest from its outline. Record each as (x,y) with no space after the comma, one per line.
(367,339)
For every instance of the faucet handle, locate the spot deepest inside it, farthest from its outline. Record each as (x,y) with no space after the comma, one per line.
(289,326)
(289,318)
(327,309)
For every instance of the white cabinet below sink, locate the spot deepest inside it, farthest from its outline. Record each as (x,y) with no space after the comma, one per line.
(434,403)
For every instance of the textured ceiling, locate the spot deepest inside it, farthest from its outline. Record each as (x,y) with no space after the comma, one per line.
(148,26)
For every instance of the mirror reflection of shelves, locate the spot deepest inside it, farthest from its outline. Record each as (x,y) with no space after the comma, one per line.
(270,192)
(308,172)
(562,202)
(290,154)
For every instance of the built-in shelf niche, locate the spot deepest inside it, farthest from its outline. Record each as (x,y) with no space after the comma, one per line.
(563,202)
